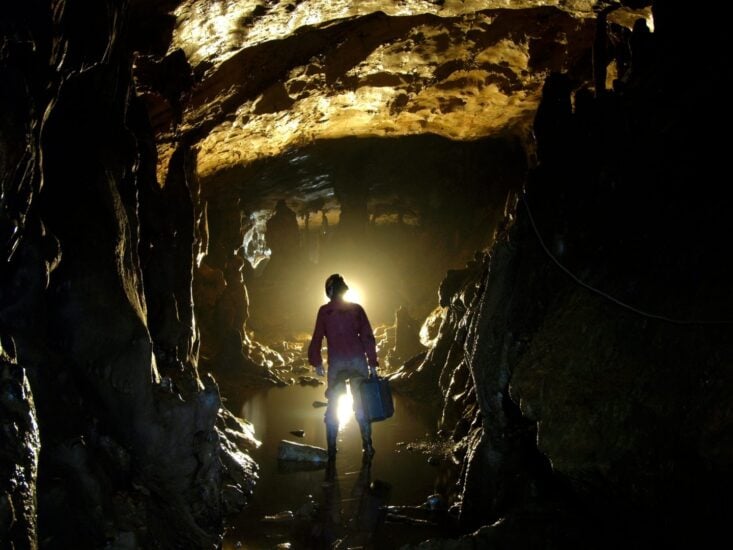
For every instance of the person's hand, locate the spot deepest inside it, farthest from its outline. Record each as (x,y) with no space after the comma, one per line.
(320,371)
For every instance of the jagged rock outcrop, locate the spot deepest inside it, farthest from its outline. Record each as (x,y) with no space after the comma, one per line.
(96,302)
(584,382)
(285,75)
(19,450)
(222,306)
(407,339)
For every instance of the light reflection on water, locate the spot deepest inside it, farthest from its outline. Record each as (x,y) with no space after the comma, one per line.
(348,495)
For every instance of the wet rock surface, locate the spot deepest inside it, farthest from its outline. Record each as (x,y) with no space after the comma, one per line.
(291,450)
(329,70)
(20,447)
(570,355)
(581,362)
(96,298)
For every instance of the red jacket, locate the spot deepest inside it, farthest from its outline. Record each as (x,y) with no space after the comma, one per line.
(348,332)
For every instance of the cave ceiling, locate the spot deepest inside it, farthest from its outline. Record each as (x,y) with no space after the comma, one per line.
(275,77)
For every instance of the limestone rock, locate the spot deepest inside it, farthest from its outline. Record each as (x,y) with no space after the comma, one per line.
(20,444)
(290,450)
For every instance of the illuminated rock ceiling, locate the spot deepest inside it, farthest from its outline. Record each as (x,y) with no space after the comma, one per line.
(272,76)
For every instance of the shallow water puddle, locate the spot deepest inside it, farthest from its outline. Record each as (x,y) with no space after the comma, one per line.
(341,506)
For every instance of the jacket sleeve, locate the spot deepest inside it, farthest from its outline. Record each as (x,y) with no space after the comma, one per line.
(314,349)
(367,338)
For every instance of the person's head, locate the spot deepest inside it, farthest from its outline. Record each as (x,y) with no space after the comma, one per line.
(336,287)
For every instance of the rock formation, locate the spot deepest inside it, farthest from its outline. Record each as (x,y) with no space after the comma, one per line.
(96,302)
(582,355)
(583,360)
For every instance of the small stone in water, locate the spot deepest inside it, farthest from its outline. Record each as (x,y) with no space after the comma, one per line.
(291,450)
(309,381)
(287,515)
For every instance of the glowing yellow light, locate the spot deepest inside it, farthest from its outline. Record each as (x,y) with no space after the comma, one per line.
(353,294)
(345,408)
(650,21)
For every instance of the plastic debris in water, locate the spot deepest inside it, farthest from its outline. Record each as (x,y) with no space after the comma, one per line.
(298,433)
(319,404)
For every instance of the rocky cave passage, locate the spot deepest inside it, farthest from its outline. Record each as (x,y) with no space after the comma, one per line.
(526,191)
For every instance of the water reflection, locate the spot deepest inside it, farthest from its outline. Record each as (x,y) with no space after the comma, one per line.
(341,505)
(350,522)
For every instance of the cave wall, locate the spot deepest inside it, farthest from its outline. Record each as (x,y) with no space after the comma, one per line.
(585,359)
(426,203)
(111,436)
(96,310)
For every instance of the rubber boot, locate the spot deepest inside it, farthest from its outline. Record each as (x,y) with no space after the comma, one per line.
(332,432)
(365,427)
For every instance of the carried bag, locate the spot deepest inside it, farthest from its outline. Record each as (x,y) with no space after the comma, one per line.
(376,399)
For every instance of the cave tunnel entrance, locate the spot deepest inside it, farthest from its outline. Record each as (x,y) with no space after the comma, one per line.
(392,215)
